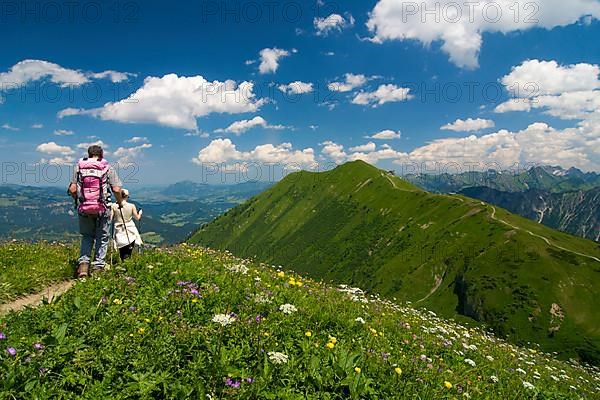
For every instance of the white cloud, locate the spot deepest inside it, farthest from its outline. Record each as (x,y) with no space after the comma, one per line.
(566,92)
(176,102)
(469,125)
(297,87)
(239,127)
(126,155)
(332,23)
(537,144)
(137,139)
(386,134)
(84,146)
(460,25)
(63,132)
(334,151)
(26,71)
(351,82)
(364,148)
(197,134)
(9,127)
(225,151)
(37,126)
(383,94)
(385,153)
(269,59)
(53,148)
(66,160)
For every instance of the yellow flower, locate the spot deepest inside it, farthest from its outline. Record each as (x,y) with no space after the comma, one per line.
(118,301)
(357,370)
(333,339)
(141,330)
(266,334)
(131,334)
(160,318)
(330,345)
(147,320)
(299,283)
(308,333)
(194,300)
(281,274)
(398,370)
(448,385)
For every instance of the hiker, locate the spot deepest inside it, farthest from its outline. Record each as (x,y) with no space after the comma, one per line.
(126,235)
(93,179)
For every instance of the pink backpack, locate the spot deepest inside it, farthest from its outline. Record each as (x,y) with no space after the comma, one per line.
(92,186)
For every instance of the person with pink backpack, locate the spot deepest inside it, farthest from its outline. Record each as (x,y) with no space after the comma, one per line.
(93,179)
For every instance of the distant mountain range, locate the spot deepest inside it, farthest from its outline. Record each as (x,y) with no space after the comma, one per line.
(547,178)
(567,200)
(455,255)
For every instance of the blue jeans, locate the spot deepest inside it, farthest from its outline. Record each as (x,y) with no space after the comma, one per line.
(94,229)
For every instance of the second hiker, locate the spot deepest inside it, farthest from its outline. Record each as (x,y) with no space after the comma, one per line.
(126,233)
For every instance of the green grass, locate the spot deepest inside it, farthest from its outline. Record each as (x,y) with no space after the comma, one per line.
(443,252)
(26,268)
(131,334)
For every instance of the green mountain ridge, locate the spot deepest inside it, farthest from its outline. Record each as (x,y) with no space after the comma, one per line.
(455,255)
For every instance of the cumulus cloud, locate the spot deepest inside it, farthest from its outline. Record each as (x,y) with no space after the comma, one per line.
(37,126)
(84,146)
(469,125)
(137,139)
(384,94)
(269,59)
(332,23)
(386,134)
(63,132)
(460,26)
(176,102)
(9,127)
(334,151)
(351,82)
(536,144)
(365,148)
(53,148)
(225,151)
(66,160)
(297,87)
(239,127)
(125,155)
(562,91)
(26,71)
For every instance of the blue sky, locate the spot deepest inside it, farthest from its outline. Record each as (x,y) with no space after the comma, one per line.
(177,89)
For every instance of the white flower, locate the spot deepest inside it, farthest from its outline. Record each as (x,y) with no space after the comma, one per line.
(489,358)
(277,358)
(494,378)
(528,385)
(359,319)
(554,378)
(470,362)
(223,319)
(287,308)
(519,370)
(238,269)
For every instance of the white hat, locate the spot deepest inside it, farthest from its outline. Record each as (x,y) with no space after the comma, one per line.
(125,192)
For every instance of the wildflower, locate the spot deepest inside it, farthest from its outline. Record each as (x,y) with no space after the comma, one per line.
(2,335)
(398,370)
(231,383)
(141,331)
(238,269)
(287,308)
(38,346)
(359,319)
(277,358)
(330,345)
(521,371)
(223,319)
(528,385)
(11,351)
(281,274)
(494,379)
(308,333)
(448,385)
(250,379)
(333,339)
(357,370)
(118,301)
(470,362)
(489,358)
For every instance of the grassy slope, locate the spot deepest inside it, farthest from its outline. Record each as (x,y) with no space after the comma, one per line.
(142,333)
(26,269)
(440,251)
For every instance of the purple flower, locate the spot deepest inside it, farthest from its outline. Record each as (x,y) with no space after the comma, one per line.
(43,370)
(104,300)
(11,351)
(132,308)
(258,318)
(194,291)
(249,379)
(38,346)
(231,383)
(2,335)
(385,356)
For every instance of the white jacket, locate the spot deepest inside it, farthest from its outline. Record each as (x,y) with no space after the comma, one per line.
(125,231)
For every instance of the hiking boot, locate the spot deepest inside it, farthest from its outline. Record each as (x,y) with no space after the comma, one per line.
(82,269)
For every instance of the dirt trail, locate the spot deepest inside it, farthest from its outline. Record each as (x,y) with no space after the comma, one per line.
(33,300)
(548,242)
